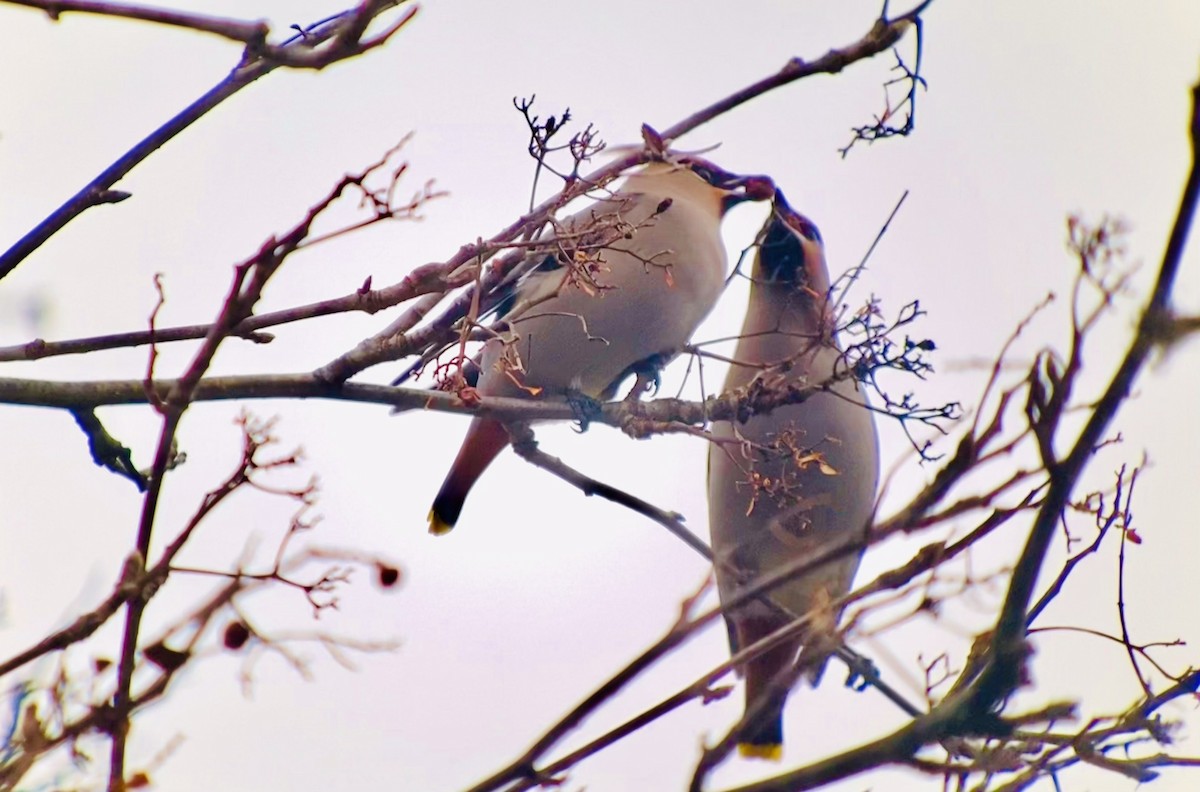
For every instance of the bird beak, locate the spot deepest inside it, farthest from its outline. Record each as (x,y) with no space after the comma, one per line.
(793,219)
(747,188)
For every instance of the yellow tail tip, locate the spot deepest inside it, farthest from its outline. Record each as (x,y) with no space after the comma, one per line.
(438,526)
(772,753)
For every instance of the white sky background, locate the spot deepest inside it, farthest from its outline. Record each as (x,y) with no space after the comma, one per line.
(1035,110)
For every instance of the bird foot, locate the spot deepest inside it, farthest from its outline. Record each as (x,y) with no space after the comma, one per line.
(645,383)
(584,408)
(649,376)
(863,672)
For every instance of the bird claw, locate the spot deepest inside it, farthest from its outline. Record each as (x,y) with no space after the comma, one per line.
(862,671)
(649,377)
(647,381)
(584,408)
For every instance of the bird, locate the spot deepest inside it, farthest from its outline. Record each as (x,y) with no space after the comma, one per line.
(793,482)
(620,291)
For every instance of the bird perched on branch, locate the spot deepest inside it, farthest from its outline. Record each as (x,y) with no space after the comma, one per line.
(620,288)
(792,483)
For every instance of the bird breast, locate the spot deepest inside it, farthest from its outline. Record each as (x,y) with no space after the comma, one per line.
(642,296)
(802,481)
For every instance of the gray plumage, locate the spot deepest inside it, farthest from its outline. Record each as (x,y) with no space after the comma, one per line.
(813,487)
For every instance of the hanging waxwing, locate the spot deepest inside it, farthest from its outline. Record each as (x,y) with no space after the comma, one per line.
(630,279)
(800,479)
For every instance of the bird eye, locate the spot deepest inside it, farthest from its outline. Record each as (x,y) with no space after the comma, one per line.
(715,176)
(704,172)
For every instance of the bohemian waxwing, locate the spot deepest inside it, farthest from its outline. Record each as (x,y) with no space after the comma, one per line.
(802,478)
(650,266)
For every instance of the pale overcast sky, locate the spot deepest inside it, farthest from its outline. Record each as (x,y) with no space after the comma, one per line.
(1034,110)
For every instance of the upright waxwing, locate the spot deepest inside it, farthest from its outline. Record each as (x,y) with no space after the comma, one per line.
(793,482)
(633,276)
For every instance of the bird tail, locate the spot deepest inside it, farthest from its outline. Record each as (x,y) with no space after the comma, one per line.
(484,441)
(763,737)
(768,680)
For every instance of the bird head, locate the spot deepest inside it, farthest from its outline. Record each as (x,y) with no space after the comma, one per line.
(691,176)
(734,187)
(791,251)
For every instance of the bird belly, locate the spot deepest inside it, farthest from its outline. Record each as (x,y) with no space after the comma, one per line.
(810,493)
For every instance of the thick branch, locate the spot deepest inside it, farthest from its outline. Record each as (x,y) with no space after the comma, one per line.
(1000,677)
(637,418)
(252,34)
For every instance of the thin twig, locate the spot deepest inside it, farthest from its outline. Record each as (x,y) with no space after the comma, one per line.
(336,32)
(126,587)
(250,278)
(527,448)
(1122,617)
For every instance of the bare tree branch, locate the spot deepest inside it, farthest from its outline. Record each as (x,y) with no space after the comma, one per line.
(1001,676)
(325,42)
(250,278)
(252,34)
